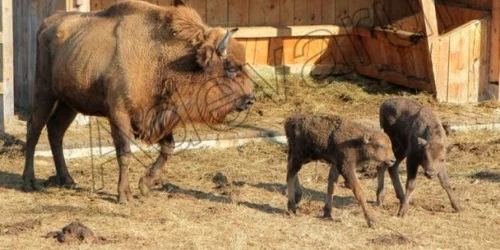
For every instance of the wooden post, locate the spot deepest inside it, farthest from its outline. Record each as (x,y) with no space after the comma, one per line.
(7,65)
(495,42)
(433,43)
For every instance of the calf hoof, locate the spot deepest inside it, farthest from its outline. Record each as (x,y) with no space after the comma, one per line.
(402,211)
(456,207)
(371,223)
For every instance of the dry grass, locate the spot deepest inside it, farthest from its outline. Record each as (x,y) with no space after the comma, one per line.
(189,212)
(357,99)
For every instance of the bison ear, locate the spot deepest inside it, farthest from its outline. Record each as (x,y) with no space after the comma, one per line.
(205,57)
(367,138)
(421,142)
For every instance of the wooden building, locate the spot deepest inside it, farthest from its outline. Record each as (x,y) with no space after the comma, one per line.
(447,47)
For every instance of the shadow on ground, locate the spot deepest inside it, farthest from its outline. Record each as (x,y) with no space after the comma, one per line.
(311,194)
(487,176)
(174,189)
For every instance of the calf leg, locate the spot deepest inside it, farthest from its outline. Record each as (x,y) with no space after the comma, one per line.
(333,178)
(411,170)
(380,185)
(293,168)
(445,183)
(121,133)
(394,174)
(152,175)
(44,103)
(350,176)
(57,126)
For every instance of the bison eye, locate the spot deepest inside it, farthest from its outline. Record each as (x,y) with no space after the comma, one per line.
(380,146)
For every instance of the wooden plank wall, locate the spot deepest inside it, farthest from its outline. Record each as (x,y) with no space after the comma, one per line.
(462,65)
(272,12)
(27,18)
(6,64)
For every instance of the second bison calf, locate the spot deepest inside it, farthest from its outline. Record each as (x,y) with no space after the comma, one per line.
(339,142)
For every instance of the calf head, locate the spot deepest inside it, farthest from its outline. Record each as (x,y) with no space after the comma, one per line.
(433,155)
(224,59)
(377,146)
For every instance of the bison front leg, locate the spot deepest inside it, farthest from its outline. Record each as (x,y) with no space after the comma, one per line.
(120,131)
(152,175)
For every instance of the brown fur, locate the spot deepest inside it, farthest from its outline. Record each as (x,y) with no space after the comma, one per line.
(418,135)
(339,142)
(146,68)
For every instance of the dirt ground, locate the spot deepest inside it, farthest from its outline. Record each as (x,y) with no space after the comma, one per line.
(190,211)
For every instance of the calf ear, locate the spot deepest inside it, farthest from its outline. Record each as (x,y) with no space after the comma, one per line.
(422,142)
(367,138)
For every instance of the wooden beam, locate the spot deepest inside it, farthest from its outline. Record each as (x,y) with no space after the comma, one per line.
(7,90)
(432,34)
(292,31)
(495,43)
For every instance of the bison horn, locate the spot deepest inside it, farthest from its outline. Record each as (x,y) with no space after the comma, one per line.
(221,48)
(179,3)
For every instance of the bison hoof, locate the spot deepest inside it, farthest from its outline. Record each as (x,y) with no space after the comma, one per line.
(327,215)
(292,207)
(144,185)
(56,181)
(29,186)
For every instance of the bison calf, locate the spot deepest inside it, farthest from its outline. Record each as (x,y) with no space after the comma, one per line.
(339,142)
(418,135)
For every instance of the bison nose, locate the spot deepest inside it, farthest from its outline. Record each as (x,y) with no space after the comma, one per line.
(247,103)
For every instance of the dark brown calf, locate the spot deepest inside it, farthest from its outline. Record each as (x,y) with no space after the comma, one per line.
(339,142)
(418,135)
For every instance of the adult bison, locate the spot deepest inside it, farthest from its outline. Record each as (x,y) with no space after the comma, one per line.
(418,135)
(146,68)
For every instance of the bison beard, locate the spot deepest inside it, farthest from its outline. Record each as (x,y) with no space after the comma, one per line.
(146,68)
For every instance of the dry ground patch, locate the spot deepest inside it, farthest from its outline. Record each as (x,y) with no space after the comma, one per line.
(191,212)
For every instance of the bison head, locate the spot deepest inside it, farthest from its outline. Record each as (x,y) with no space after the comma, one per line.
(433,155)
(378,147)
(226,86)
(223,58)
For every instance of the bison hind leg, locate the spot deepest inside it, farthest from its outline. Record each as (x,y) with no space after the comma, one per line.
(44,102)
(59,122)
